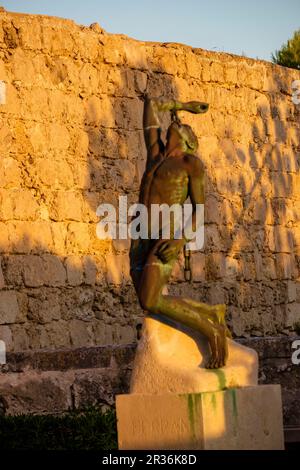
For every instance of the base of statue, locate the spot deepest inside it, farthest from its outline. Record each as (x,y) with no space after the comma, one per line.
(248,418)
(171,358)
(176,403)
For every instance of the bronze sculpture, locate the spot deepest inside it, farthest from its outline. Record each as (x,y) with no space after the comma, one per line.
(173,173)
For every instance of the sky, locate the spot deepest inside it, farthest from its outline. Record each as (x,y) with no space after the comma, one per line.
(254,28)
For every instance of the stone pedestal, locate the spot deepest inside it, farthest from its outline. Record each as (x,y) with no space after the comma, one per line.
(248,418)
(171,359)
(175,403)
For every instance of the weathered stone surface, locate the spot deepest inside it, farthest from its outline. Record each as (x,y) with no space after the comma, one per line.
(100,357)
(9,308)
(247,418)
(71,138)
(6,337)
(274,356)
(99,386)
(36,392)
(171,359)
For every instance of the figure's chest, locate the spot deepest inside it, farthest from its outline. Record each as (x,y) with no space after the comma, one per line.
(172,170)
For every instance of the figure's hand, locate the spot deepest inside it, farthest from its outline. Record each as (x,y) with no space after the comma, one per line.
(195,107)
(169,250)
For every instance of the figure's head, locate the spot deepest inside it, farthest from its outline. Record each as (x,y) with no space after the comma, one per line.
(183,136)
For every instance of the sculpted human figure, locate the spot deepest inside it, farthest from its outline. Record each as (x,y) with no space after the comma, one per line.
(173,173)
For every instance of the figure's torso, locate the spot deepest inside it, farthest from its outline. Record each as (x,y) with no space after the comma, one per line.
(165,183)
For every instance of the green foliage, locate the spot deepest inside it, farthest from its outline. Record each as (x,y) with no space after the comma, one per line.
(289,54)
(79,430)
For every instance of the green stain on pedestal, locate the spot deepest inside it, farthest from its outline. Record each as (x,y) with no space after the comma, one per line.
(213,401)
(191,413)
(234,402)
(193,400)
(221,377)
(234,410)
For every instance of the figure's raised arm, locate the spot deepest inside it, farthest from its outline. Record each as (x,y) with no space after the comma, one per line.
(152,129)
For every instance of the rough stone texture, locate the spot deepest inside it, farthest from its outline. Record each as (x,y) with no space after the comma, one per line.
(71,138)
(171,359)
(60,381)
(247,418)
(96,374)
(35,392)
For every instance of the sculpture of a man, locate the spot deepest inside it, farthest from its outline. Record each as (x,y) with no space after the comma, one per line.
(173,173)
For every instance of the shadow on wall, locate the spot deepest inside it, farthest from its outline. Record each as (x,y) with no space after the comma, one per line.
(251,256)
(61,286)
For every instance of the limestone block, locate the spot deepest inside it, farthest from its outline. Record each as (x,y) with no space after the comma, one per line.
(74,270)
(117,268)
(57,335)
(286,268)
(98,386)
(9,308)
(47,269)
(25,204)
(231,73)
(54,174)
(114,50)
(198,266)
(90,270)
(293,314)
(44,310)
(53,270)
(6,337)
(247,418)
(171,359)
(2,281)
(80,333)
(214,266)
(59,230)
(10,173)
(4,237)
(269,267)
(292,291)
(20,338)
(216,72)
(36,392)
(212,210)
(67,206)
(78,237)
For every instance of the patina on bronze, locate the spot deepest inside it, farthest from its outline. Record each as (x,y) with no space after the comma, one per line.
(173,173)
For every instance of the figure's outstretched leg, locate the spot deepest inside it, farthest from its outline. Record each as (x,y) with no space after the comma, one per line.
(180,310)
(154,277)
(214,313)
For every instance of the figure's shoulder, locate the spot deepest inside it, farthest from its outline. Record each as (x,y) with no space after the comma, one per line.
(194,163)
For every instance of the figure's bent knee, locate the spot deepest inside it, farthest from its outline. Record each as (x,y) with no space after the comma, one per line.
(148,302)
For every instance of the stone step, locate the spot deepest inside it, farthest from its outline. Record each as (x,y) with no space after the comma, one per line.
(97,373)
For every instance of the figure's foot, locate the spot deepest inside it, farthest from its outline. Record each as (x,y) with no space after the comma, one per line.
(219,312)
(218,347)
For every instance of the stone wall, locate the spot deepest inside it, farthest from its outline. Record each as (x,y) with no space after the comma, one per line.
(71,138)
(57,381)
